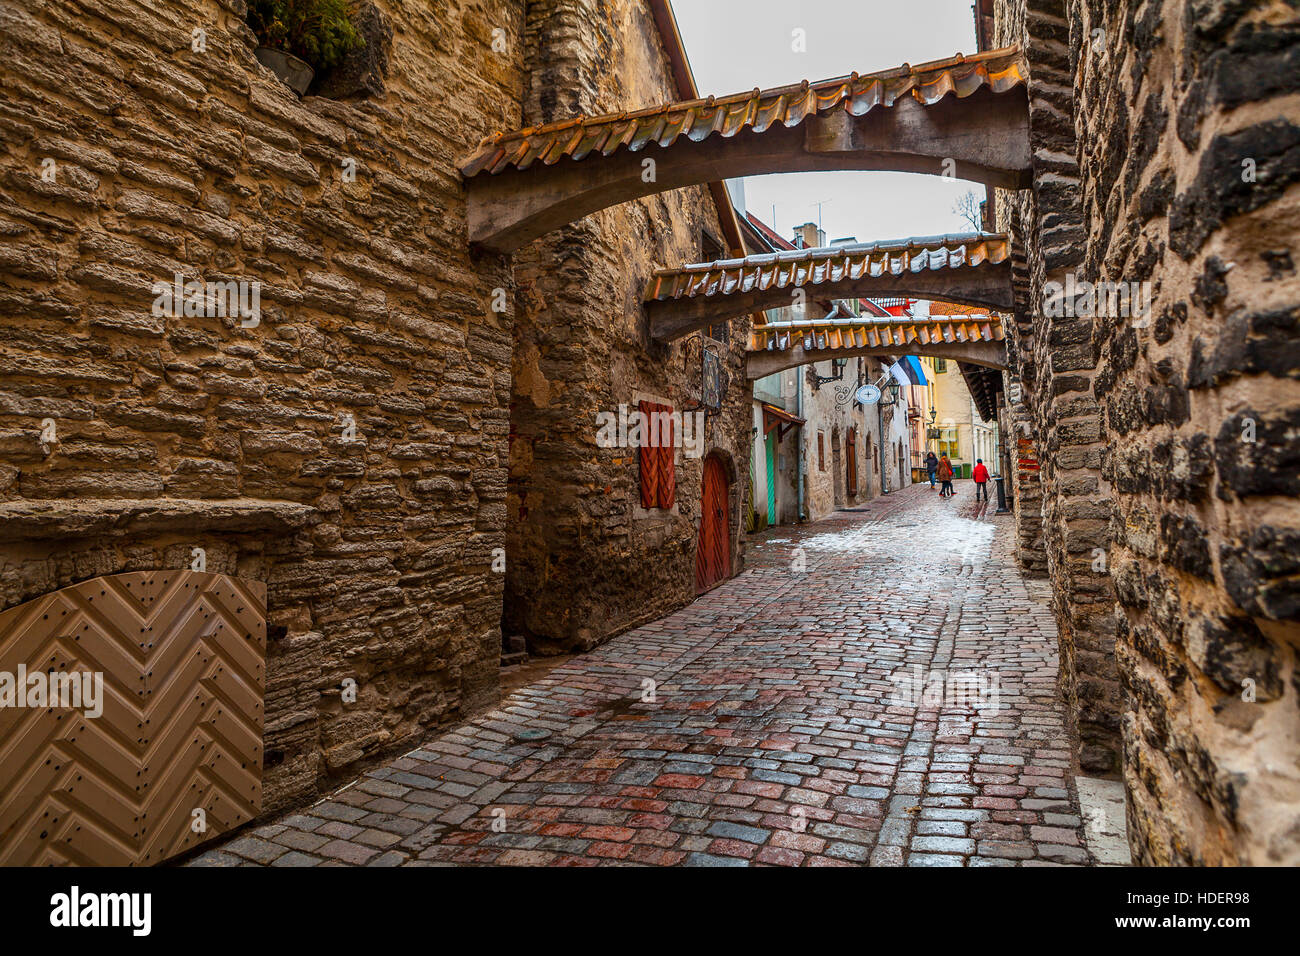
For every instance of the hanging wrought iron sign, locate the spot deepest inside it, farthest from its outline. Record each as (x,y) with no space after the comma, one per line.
(868,395)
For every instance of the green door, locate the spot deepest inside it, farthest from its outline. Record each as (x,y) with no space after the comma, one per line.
(771,477)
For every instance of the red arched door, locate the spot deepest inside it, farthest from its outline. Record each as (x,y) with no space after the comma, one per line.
(713,551)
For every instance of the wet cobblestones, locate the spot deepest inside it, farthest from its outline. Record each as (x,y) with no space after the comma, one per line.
(759,726)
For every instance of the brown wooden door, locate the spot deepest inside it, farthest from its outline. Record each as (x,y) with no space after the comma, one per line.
(851,473)
(176,734)
(713,551)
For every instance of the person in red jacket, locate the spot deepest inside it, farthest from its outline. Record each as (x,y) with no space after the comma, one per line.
(981,476)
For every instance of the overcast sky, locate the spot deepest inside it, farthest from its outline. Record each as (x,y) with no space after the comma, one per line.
(736,45)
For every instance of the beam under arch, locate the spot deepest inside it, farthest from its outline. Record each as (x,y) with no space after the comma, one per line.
(965,117)
(974,339)
(763,364)
(970,270)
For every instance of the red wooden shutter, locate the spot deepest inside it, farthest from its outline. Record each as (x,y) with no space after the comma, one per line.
(658,477)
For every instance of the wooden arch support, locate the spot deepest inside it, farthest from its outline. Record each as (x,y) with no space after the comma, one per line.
(967,117)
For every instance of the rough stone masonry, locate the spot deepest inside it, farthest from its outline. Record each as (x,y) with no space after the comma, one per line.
(585,560)
(1167,151)
(351,448)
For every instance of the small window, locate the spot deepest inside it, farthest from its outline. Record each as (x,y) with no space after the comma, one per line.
(821,451)
(711,250)
(710,247)
(940,366)
(948,444)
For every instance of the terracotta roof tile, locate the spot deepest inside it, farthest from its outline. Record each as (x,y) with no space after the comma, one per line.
(811,267)
(999,70)
(875,333)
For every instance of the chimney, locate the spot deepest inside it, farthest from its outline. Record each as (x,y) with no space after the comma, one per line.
(808,236)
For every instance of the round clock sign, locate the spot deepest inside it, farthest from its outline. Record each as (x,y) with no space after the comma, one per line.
(867,395)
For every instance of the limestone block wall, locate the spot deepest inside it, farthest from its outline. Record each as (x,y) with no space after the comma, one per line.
(130,157)
(1015,420)
(584,561)
(1188,120)
(1056,361)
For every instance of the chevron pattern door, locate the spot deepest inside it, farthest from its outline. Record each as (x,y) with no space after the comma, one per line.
(713,548)
(174,758)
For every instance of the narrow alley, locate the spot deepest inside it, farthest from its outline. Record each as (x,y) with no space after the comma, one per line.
(759,725)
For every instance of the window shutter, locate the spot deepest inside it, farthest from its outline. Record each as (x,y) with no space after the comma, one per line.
(658,478)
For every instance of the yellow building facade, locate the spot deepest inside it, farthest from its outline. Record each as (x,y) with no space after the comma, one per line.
(952,425)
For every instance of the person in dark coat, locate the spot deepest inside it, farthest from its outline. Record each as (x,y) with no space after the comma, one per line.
(931,466)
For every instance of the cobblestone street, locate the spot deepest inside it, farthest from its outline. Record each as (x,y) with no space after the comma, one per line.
(771,739)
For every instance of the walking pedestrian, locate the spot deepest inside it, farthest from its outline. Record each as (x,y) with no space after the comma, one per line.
(945,476)
(931,466)
(981,476)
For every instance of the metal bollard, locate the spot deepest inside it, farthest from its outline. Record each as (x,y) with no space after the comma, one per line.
(1002,497)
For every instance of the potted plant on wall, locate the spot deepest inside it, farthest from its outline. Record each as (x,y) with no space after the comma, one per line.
(297,38)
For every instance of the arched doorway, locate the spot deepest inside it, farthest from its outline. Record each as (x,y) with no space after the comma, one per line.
(713,549)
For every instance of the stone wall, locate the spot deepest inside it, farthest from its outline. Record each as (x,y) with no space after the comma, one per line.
(130,157)
(1168,439)
(1190,152)
(1025,487)
(1055,360)
(584,560)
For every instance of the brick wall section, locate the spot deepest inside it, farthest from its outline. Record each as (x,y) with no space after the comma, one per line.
(1056,361)
(202,163)
(1207,525)
(584,561)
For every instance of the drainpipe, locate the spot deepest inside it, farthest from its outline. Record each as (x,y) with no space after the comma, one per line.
(803,439)
(880,445)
